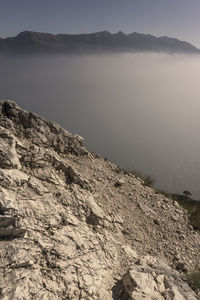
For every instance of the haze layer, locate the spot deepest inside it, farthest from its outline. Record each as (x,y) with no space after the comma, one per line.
(139,110)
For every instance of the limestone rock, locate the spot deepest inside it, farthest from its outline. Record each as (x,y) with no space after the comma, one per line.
(8,155)
(153,280)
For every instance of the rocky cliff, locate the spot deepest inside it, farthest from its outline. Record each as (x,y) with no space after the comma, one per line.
(74,226)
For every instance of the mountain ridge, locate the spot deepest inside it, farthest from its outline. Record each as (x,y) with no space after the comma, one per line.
(30,42)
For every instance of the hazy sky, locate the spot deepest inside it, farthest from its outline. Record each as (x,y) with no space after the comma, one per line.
(176,18)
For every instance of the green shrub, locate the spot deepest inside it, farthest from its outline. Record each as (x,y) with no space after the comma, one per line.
(193,280)
(148,180)
(193,208)
(195,218)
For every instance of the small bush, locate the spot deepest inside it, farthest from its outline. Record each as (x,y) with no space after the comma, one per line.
(148,180)
(194,280)
(193,208)
(195,218)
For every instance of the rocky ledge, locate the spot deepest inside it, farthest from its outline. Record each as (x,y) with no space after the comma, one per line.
(74,226)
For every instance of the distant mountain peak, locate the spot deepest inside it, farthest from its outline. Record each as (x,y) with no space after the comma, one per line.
(101,33)
(26,33)
(120,33)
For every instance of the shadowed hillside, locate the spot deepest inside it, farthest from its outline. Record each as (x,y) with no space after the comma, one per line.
(35,42)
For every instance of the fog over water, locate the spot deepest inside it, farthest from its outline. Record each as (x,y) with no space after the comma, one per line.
(141,111)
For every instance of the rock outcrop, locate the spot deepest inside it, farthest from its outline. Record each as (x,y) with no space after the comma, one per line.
(73,226)
(150,278)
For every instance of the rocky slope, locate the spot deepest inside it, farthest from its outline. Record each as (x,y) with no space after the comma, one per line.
(73,226)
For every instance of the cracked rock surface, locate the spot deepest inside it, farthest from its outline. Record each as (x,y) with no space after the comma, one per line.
(73,226)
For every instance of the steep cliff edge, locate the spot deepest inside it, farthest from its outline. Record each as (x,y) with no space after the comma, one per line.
(72,226)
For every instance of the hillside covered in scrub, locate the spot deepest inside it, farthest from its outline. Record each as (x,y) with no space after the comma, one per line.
(75,226)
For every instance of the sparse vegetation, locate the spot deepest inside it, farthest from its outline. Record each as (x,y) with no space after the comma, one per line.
(194,280)
(195,218)
(147,179)
(193,208)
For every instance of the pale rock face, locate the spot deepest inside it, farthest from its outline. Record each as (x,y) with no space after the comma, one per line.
(67,231)
(8,154)
(152,279)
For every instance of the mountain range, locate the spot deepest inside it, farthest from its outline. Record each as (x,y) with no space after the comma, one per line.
(29,42)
